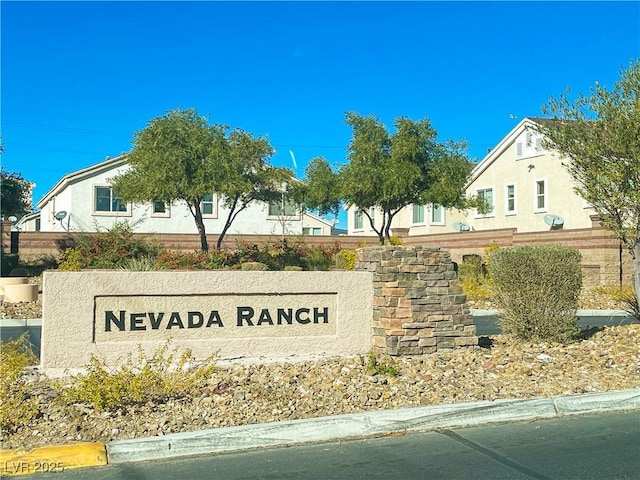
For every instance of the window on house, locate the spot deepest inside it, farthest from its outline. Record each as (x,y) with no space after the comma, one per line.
(487,195)
(418,214)
(539,147)
(282,208)
(437,214)
(160,208)
(208,204)
(358,220)
(510,199)
(541,196)
(106,201)
(311,230)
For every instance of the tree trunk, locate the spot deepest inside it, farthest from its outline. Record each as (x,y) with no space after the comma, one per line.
(197,215)
(230,218)
(635,252)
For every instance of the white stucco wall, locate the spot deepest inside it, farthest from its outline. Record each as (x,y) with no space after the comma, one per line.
(523,173)
(77,199)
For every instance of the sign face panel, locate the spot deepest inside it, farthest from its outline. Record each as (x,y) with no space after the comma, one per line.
(234,314)
(155,317)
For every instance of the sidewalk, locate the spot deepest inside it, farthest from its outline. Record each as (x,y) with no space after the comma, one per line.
(278,434)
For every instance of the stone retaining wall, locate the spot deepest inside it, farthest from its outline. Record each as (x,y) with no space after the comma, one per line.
(418,305)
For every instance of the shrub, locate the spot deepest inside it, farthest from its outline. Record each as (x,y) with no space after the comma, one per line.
(537,289)
(627,296)
(108,249)
(475,290)
(71,260)
(142,264)
(170,260)
(345,259)
(254,266)
(393,240)
(376,366)
(166,375)
(471,268)
(317,259)
(17,406)
(292,268)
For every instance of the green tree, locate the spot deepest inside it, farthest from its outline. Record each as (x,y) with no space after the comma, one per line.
(15,193)
(599,135)
(179,156)
(246,177)
(391,171)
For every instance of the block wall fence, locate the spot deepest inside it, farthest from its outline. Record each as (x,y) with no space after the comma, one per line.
(604,260)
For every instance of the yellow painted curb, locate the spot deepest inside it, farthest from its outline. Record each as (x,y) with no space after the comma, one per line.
(52,459)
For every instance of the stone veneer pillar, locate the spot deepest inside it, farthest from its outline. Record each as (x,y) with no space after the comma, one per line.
(418,304)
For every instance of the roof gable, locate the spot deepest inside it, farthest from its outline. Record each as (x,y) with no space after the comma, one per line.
(88,172)
(525,124)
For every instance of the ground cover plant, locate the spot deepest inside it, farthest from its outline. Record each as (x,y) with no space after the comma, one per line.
(165,374)
(17,406)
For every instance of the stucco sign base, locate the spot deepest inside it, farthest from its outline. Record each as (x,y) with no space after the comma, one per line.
(237,314)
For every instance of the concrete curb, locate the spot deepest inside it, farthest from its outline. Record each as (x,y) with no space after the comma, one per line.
(367,424)
(52,459)
(485,312)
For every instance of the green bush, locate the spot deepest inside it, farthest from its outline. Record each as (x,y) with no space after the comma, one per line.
(537,289)
(107,249)
(345,259)
(142,264)
(165,375)
(381,366)
(471,268)
(17,406)
(317,259)
(253,266)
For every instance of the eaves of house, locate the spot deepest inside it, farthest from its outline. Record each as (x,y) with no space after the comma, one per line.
(78,175)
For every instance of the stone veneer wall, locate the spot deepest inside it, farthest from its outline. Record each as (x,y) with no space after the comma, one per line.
(418,305)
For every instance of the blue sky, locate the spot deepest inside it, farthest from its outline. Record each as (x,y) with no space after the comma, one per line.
(79,78)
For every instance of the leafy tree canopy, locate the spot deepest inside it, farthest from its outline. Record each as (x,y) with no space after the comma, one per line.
(179,156)
(15,193)
(599,134)
(389,171)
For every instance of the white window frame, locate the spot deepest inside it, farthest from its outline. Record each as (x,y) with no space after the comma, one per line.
(214,206)
(107,213)
(282,214)
(432,210)
(372,214)
(536,195)
(313,231)
(358,218)
(529,145)
(514,210)
(492,213)
(165,214)
(413,214)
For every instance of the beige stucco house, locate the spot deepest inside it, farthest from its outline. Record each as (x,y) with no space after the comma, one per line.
(83,201)
(527,186)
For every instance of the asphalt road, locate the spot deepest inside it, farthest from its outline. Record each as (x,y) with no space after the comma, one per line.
(584,447)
